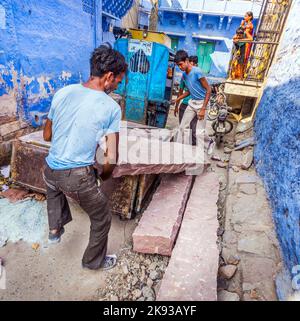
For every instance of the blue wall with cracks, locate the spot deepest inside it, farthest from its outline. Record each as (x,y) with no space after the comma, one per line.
(277,128)
(45,45)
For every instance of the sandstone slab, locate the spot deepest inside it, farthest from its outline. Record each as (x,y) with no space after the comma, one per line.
(151,151)
(14,194)
(159,225)
(192,271)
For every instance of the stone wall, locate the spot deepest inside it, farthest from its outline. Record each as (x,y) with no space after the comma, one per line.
(277,128)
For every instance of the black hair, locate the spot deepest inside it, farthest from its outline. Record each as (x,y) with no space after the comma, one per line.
(181,55)
(240,30)
(250,14)
(106,45)
(105,59)
(193,59)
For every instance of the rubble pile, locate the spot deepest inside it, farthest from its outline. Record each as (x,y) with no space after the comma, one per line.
(137,277)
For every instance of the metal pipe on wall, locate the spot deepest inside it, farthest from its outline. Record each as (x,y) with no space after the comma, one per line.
(98,33)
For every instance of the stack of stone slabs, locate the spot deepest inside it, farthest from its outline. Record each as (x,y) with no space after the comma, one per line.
(154,151)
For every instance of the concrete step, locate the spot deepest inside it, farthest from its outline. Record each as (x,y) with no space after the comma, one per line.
(159,225)
(192,272)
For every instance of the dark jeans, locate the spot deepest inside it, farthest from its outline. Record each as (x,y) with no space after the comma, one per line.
(193,124)
(81,185)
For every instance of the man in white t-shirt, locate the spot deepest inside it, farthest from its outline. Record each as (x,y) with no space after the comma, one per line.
(80,115)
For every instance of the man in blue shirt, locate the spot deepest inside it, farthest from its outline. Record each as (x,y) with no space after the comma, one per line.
(79,117)
(185,102)
(198,90)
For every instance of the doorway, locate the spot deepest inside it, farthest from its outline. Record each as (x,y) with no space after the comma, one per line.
(174,43)
(205,49)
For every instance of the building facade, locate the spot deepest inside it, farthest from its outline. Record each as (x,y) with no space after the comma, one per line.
(145,8)
(204,28)
(45,45)
(130,20)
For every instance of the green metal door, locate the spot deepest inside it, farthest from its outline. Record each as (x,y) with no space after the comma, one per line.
(205,49)
(174,43)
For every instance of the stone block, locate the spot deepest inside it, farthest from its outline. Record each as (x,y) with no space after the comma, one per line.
(256,243)
(227,271)
(247,159)
(257,269)
(159,225)
(150,151)
(11,127)
(248,189)
(193,268)
(227,296)
(14,194)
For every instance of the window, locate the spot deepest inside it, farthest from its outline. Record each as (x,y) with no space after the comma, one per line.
(88,6)
(139,62)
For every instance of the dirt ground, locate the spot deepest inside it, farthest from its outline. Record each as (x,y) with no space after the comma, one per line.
(55,272)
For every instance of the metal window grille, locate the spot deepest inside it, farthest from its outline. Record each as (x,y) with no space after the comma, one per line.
(89,6)
(139,62)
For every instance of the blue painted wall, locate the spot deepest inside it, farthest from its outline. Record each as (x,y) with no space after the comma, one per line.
(45,45)
(277,129)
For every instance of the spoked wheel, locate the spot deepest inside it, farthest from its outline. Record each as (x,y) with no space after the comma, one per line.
(228,126)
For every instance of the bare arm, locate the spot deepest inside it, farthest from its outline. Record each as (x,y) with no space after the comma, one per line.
(179,94)
(47,133)
(177,104)
(179,98)
(207,88)
(111,155)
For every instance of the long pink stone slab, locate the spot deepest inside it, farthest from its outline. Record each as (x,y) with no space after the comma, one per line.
(150,151)
(192,271)
(159,225)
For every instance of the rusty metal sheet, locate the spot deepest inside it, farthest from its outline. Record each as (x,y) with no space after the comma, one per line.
(27,165)
(122,194)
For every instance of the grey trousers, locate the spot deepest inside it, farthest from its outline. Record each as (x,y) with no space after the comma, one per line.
(81,185)
(193,124)
(190,114)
